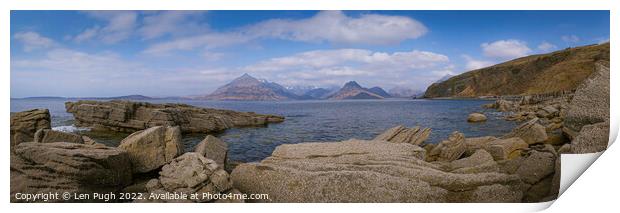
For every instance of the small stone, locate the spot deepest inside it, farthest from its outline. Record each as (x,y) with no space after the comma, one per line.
(476,117)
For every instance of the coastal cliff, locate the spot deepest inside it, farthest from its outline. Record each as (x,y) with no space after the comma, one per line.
(557,71)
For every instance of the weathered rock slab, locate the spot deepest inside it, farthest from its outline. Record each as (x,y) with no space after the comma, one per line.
(50,136)
(449,150)
(213,148)
(503,149)
(25,124)
(474,144)
(536,166)
(401,134)
(68,167)
(126,116)
(590,105)
(366,171)
(152,148)
(480,157)
(591,138)
(531,132)
(190,173)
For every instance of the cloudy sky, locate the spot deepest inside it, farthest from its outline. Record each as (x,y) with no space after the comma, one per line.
(169,53)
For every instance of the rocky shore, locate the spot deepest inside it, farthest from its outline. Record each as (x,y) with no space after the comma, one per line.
(520,166)
(151,160)
(578,120)
(126,116)
(396,166)
(459,169)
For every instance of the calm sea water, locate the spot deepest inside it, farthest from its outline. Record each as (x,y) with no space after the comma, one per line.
(313,121)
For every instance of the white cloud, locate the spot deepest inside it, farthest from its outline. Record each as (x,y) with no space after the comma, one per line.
(329,67)
(71,61)
(66,72)
(212,56)
(336,27)
(161,23)
(73,73)
(546,46)
(327,26)
(32,40)
(602,40)
(570,38)
(86,34)
(208,41)
(474,64)
(505,49)
(119,25)
(325,58)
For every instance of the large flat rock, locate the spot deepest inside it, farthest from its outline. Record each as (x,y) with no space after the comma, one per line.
(367,171)
(126,116)
(68,167)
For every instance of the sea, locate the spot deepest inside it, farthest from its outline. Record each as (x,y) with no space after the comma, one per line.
(310,121)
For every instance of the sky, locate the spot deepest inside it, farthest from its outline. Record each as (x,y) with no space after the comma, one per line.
(179,53)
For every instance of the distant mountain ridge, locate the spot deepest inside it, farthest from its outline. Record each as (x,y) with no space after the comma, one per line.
(379,91)
(248,88)
(352,90)
(536,74)
(318,93)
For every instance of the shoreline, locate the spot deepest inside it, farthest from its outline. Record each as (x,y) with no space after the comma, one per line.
(262,136)
(522,165)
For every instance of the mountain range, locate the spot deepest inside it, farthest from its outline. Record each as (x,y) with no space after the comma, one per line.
(352,90)
(248,88)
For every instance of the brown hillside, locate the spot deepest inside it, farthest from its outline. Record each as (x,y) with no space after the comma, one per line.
(535,74)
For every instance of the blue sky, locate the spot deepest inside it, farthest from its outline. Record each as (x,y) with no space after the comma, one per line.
(170,53)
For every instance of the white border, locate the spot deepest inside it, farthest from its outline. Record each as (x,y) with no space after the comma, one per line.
(571,200)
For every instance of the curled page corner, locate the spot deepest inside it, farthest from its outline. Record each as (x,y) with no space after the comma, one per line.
(573,165)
